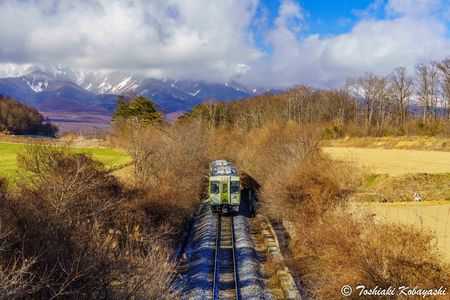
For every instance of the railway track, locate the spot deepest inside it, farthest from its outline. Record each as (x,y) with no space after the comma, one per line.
(225,280)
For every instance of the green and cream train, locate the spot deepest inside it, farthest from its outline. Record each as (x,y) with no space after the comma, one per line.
(224,187)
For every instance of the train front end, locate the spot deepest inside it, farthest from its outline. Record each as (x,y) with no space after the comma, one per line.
(224,187)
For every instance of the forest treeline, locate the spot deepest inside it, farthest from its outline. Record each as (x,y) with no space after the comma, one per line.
(395,104)
(18,118)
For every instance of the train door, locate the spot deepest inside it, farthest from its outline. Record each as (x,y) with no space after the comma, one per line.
(224,191)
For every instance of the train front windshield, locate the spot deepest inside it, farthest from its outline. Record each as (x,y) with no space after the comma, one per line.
(214,187)
(234,187)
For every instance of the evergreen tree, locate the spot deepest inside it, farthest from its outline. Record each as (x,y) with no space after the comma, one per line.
(141,108)
(121,109)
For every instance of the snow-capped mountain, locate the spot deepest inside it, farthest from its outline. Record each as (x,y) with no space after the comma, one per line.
(56,87)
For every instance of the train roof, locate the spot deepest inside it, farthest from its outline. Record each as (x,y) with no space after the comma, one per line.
(223,163)
(222,167)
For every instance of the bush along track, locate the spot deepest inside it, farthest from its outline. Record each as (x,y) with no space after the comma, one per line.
(197,263)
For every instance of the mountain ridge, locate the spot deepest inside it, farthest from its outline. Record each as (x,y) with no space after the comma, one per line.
(61,89)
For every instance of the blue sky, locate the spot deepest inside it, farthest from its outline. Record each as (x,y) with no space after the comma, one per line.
(261,43)
(326,18)
(332,17)
(329,17)
(389,33)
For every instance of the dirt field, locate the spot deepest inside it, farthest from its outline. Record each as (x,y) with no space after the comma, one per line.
(410,143)
(394,175)
(393,161)
(430,216)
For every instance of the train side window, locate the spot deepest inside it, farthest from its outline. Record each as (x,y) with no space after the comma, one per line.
(234,186)
(225,188)
(214,187)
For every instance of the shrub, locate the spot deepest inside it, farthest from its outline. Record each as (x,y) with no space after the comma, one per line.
(81,225)
(66,181)
(262,151)
(3,188)
(306,185)
(338,248)
(15,276)
(333,247)
(332,132)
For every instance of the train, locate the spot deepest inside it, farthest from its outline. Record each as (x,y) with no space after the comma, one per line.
(224,187)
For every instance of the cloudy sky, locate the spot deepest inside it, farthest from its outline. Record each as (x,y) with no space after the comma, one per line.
(274,43)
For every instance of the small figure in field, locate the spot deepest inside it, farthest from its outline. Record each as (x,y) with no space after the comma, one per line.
(417,197)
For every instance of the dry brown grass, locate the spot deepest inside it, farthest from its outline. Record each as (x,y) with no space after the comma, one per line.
(87,231)
(392,142)
(393,161)
(338,248)
(3,188)
(262,151)
(316,190)
(15,276)
(430,216)
(401,188)
(332,247)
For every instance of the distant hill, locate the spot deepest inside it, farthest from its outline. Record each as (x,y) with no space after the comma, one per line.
(18,118)
(60,89)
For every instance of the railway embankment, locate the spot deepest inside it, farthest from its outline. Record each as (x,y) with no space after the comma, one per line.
(252,284)
(285,286)
(197,262)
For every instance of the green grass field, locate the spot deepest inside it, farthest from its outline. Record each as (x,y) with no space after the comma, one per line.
(8,163)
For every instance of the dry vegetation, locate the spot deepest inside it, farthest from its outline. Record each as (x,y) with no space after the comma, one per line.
(393,161)
(392,142)
(74,231)
(395,175)
(337,248)
(333,246)
(386,188)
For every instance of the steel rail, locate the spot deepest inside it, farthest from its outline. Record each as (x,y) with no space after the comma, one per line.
(216,279)
(235,269)
(215,289)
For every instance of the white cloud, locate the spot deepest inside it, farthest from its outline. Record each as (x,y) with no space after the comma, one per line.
(167,38)
(214,40)
(413,7)
(372,45)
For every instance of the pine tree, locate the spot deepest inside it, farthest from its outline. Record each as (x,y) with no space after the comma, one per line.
(121,109)
(141,108)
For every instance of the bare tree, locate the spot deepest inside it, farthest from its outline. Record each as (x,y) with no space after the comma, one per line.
(383,99)
(427,89)
(444,68)
(212,109)
(371,90)
(402,89)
